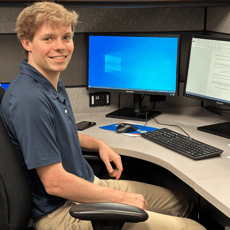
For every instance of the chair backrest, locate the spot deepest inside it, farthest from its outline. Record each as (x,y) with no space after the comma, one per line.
(15,193)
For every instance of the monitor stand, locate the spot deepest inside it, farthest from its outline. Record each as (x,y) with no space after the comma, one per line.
(221,129)
(130,114)
(135,113)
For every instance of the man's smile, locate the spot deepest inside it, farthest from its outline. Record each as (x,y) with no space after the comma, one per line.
(58,57)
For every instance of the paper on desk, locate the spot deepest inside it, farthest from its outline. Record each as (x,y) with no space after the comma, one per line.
(141,129)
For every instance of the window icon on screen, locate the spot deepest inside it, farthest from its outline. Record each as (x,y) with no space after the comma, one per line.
(112,63)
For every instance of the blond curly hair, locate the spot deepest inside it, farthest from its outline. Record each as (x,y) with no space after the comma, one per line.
(32,17)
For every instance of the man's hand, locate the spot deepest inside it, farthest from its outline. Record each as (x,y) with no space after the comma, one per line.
(134,199)
(108,155)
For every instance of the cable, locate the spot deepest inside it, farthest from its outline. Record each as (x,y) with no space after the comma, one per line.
(146,107)
(142,98)
(119,97)
(166,124)
(146,116)
(154,103)
(172,125)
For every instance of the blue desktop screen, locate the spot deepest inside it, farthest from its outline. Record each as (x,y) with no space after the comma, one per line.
(135,63)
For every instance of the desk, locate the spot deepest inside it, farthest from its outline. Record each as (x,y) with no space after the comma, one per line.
(210,177)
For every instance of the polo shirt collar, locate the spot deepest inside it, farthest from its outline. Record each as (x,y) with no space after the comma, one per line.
(38,77)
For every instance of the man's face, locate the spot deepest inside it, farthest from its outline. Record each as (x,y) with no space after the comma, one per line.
(51,49)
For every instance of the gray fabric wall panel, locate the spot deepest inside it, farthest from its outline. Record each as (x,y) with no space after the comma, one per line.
(122,20)
(11,54)
(75,73)
(96,20)
(218,19)
(140,20)
(8,17)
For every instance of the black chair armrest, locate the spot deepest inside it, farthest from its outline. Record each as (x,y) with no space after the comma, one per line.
(111,213)
(89,157)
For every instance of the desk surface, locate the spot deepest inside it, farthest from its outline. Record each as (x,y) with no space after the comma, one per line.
(210,177)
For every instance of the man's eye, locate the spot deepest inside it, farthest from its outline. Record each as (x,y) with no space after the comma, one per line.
(47,39)
(67,37)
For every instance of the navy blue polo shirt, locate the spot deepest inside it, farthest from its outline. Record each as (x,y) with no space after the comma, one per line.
(42,127)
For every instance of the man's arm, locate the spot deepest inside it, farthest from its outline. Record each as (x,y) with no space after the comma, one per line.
(106,153)
(59,182)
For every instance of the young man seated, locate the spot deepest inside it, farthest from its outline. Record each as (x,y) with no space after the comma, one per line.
(37,113)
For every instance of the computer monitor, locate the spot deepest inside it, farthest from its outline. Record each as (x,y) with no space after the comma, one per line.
(137,64)
(208,76)
(5,85)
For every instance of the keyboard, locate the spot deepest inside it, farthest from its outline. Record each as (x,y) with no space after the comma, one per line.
(182,144)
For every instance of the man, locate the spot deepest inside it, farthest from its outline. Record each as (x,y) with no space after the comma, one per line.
(38,115)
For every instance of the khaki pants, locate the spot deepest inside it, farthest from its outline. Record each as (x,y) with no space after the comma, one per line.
(167,210)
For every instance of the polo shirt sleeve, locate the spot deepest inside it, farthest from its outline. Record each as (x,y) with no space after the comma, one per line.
(33,122)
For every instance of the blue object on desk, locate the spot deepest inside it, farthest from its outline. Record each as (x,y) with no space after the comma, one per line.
(141,129)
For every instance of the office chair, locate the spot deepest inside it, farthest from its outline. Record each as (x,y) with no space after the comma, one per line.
(16,196)
(15,193)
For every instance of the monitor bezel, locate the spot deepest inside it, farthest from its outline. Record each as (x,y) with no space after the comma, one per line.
(203,98)
(131,34)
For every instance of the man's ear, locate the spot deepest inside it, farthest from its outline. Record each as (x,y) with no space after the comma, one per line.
(26,44)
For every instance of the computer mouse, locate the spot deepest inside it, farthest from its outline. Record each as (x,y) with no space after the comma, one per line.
(125,128)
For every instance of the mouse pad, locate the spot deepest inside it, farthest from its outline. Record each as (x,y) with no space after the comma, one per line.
(141,129)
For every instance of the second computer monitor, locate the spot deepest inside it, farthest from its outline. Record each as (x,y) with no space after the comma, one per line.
(208,76)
